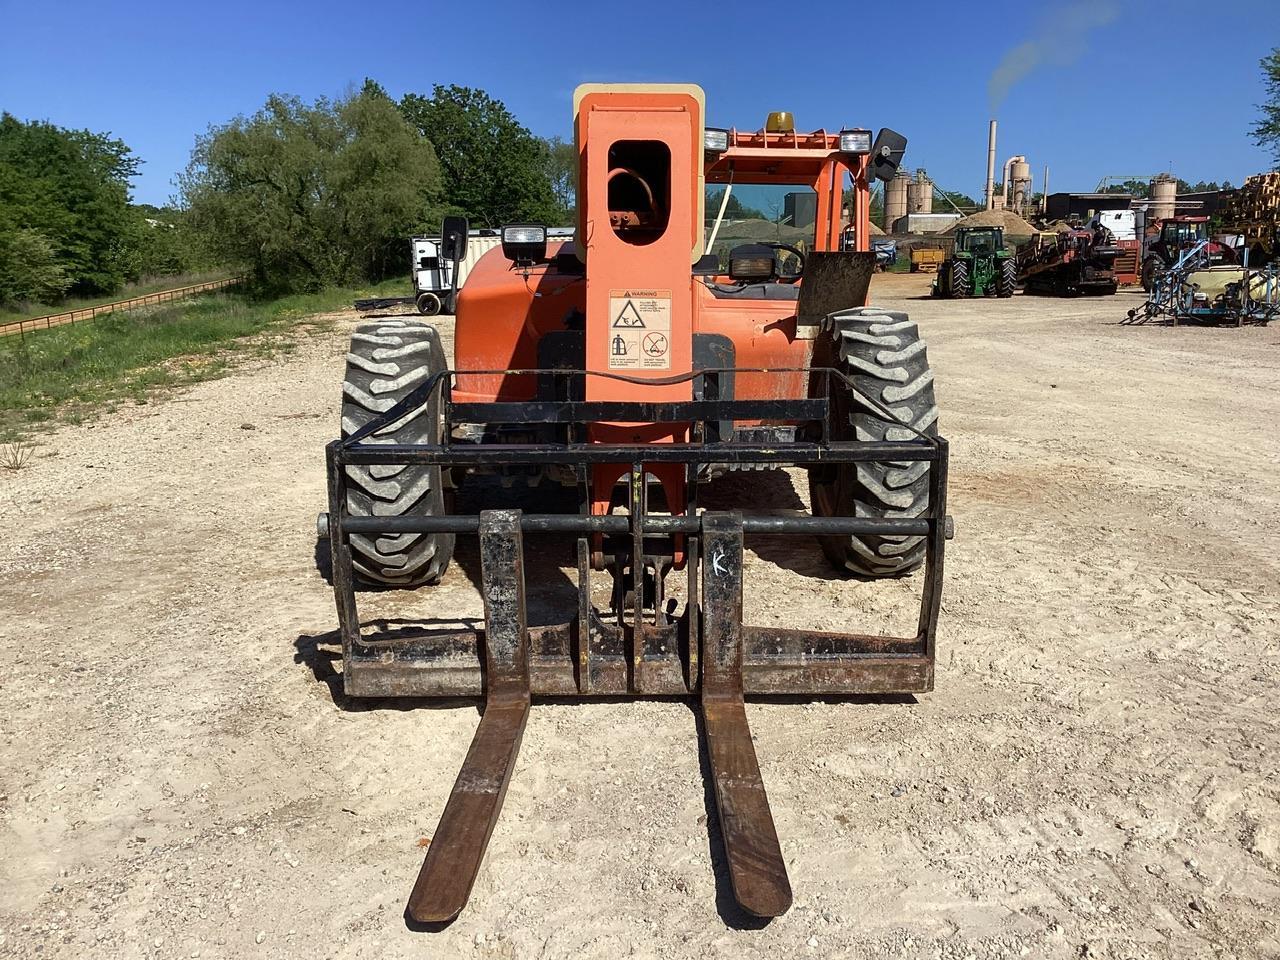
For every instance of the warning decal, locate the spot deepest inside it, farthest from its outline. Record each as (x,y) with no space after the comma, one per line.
(629,317)
(640,330)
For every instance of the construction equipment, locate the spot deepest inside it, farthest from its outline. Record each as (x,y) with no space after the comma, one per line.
(1069,263)
(886,251)
(631,367)
(884,248)
(436,279)
(1196,290)
(927,259)
(1127,266)
(1122,225)
(979,266)
(1169,239)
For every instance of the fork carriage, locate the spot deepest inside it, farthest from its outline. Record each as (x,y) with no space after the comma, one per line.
(636,648)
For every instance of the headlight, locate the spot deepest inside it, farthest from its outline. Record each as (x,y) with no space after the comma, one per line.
(715,141)
(524,242)
(855,141)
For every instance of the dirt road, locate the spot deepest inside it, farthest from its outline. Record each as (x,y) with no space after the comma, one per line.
(1094,776)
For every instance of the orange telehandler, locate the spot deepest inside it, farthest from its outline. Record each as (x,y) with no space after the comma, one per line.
(646,356)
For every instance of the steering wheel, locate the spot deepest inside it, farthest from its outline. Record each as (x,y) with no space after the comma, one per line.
(792,250)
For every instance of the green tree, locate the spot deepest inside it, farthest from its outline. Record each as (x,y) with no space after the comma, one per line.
(29,268)
(733,210)
(161,243)
(562,172)
(1200,186)
(1266,132)
(1132,188)
(876,206)
(311,195)
(70,187)
(961,200)
(495,171)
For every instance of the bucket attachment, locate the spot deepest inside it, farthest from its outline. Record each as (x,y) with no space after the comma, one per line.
(833,282)
(639,647)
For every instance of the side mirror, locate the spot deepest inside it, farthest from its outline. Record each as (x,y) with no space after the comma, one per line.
(886,154)
(453,239)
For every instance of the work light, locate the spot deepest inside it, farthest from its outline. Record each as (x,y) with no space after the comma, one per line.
(715,141)
(855,141)
(524,243)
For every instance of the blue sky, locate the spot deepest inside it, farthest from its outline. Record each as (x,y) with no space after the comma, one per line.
(1154,86)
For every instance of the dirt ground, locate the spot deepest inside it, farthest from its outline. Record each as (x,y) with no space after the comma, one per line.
(1095,774)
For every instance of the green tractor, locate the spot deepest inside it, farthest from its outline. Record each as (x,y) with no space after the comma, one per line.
(980,266)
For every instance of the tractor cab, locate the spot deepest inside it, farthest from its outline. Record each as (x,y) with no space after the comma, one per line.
(980,241)
(1175,237)
(1182,233)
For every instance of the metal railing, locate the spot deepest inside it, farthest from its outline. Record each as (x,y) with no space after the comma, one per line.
(23,327)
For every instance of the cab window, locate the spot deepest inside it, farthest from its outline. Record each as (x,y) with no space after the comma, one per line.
(760,213)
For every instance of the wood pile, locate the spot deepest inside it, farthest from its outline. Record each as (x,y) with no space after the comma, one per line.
(1254,210)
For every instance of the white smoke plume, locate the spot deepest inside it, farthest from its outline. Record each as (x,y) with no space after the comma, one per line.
(1059,40)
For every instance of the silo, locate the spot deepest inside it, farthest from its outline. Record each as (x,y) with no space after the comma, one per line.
(895,200)
(1020,177)
(1164,193)
(920,194)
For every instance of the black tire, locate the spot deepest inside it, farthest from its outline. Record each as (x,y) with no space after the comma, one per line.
(387,360)
(882,352)
(428,303)
(1008,281)
(960,285)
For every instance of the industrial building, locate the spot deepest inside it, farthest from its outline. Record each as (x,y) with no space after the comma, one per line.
(1064,206)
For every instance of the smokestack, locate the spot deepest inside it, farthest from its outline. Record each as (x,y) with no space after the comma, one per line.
(1044,192)
(991,165)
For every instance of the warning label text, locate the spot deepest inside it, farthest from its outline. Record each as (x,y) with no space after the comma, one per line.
(639,329)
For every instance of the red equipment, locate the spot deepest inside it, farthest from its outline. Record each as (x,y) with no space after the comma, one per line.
(1171,237)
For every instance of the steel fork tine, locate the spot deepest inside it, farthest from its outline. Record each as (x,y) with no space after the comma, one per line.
(756,868)
(457,850)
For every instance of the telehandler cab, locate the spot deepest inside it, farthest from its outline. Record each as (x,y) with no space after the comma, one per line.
(633,364)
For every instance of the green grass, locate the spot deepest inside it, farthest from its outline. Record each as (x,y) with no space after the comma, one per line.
(28,311)
(70,373)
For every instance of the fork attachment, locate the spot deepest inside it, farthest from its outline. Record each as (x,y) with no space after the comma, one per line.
(640,646)
(457,849)
(756,869)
